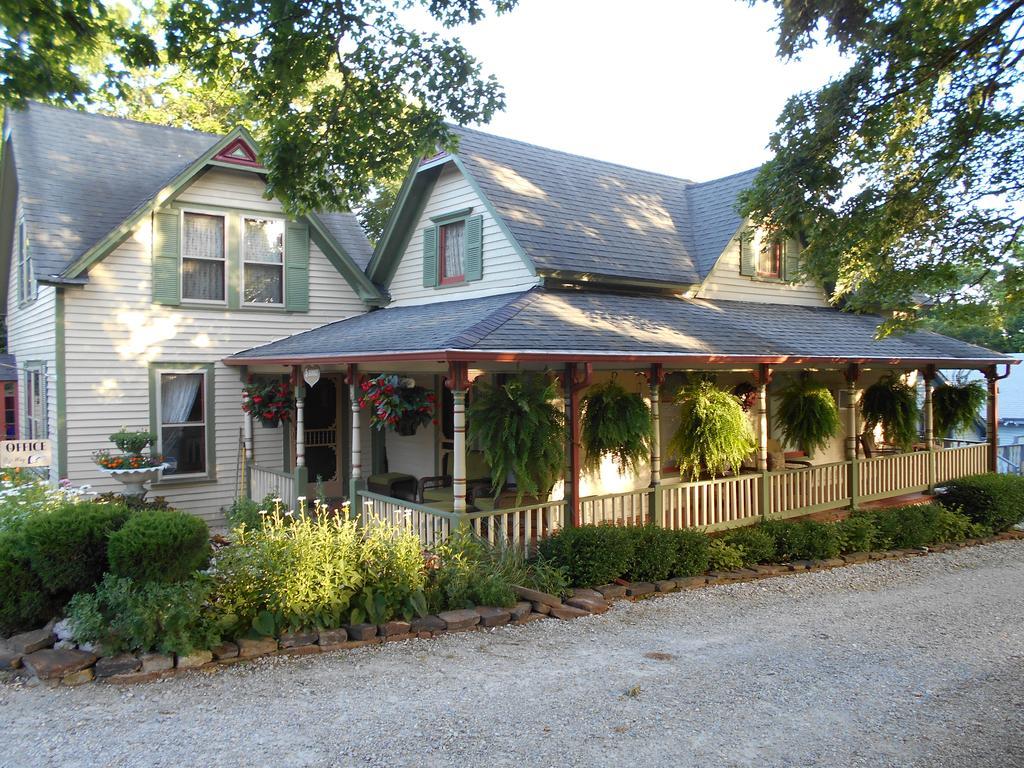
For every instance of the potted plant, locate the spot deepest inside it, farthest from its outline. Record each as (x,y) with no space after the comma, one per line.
(132,466)
(714,435)
(955,406)
(614,421)
(891,403)
(397,403)
(807,414)
(269,401)
(520,431)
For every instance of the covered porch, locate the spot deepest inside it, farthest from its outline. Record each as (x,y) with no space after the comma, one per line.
(433,480)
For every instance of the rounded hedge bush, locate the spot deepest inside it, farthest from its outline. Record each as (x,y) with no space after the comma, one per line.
(653,556)
(68,546)
(994,501)
(24,603)
(591,554)
(159,545)
(757,545)
(692,553)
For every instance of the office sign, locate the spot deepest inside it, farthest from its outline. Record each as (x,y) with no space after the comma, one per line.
(25,453)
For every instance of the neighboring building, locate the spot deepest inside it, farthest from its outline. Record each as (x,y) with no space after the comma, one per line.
(149,276)
(137,257)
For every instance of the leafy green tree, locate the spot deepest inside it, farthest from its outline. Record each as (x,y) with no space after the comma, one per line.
(340,95)
(903,177)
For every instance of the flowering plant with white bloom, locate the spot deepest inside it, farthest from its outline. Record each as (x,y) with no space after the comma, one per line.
(23,493)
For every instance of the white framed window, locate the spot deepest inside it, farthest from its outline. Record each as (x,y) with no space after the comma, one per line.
(262,260)
(769,259)
(35,402)
(26,281)
(451,252)
(203,257)
(182,418)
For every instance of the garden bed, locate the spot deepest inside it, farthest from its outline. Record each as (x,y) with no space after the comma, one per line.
(42,655)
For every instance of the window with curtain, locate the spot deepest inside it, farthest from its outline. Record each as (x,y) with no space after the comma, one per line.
(769,262)
(183,422)
(451,252)
(35,404)
(263,260)
(202,257)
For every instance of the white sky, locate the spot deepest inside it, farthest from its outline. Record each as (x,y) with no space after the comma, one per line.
(690,88)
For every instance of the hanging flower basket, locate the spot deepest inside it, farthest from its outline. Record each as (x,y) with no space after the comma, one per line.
(269,402)
(397,403)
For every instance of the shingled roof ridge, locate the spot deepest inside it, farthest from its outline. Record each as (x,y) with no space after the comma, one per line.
(564,153)
(724,178)
(480,330)
(99,116)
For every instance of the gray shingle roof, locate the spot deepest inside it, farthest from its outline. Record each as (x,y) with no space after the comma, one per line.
(580,215)
(8,368)
(579,322)
(80,175)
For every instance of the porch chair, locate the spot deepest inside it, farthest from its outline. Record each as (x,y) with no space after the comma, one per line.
(437,490)
(778,461)
(872,449)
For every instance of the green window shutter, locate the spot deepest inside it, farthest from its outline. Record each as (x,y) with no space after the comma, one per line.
(296,267)
(430,257)
(791,260)
(748,264)
(166,258)
(474,266)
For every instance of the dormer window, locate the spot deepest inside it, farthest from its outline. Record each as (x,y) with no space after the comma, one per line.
(451,252)
(769,262)
(26,281)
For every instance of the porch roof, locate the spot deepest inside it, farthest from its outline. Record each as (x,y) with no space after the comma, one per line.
(565,325)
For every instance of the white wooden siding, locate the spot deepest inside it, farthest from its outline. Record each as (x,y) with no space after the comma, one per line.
(726,282)
(31,338)
(113,332)
(503,269)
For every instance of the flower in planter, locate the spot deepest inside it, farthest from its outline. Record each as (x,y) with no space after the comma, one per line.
(397,403)
(268,400)
(132,445)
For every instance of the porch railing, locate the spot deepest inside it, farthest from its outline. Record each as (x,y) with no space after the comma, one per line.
(710,504)
(264,482)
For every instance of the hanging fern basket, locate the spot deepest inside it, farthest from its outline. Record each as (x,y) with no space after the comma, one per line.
(617,423)
(956,406)
(520,431)
(892,404)
(714,435)
(807,414)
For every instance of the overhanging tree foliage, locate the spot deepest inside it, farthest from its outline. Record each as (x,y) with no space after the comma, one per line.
(340,95)
(901,176)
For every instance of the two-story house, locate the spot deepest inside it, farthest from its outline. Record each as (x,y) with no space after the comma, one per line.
(150,277)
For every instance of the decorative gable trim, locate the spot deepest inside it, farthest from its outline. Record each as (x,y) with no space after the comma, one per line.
(238,152)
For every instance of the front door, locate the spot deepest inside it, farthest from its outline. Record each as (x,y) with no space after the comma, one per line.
(325,436)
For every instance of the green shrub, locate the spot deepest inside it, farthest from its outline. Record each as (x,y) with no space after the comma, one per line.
(591,554)
(954,525)
(134,503)
(691,552)
(68,546)
(653,555)
(394,576)
(856,533)
(994,501)
(756,545)
(907,527)
(723,557)
(245,511)
(804,540)
(124,615)
(159,545)
(24,603)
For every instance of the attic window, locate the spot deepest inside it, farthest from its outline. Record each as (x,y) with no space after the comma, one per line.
(26,284)
(769,260)
(451,252)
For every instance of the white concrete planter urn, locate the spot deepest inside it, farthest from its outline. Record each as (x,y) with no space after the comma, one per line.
(135,479)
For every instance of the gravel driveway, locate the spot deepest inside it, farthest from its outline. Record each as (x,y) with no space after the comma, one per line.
(893,663)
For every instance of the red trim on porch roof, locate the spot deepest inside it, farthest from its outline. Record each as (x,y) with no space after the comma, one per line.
(470,356)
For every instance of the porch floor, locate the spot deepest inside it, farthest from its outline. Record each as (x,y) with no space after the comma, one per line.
(831,515)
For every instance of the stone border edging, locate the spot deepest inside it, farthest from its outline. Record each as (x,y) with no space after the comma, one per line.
(34,652)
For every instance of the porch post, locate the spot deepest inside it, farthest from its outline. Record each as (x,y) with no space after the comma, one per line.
(929,422)
(852,426)
(458,381)
(247,445)
(301,474)
(656,377)
(764,378)
(991,420)
(577,383)
(356,473)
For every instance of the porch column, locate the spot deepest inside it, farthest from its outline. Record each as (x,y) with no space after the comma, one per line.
(852,429)
(764,378)
(656,378)
(928,375)
(458,381)
(301,475)
(991,418)
(356,473)
(577,383)
(247,445)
